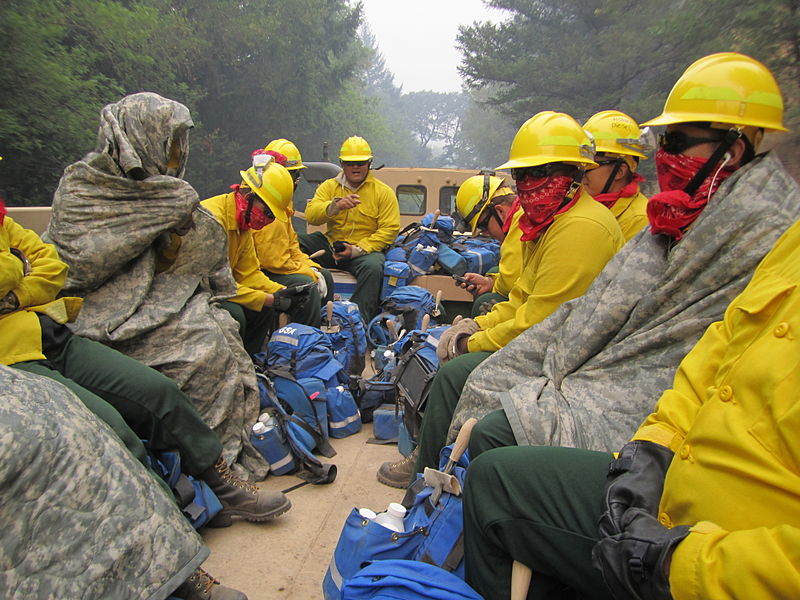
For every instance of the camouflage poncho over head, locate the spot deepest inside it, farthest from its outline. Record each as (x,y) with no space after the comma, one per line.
(107,224)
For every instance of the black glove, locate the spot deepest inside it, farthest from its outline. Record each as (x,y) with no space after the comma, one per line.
(635,563)
(635,479)
(292,297)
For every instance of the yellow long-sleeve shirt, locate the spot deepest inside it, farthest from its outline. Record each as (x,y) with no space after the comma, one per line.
(278,250)
(631,214)
(558,266)
(732,418)
(510,267)
(36,292)
(372,225)
(252,286)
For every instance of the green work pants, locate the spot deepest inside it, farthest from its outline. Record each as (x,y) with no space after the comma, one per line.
(138,402)
(309,313)
(537,505)
(442,401)
(492,431)
(367,269)
(254,325)
(487,297)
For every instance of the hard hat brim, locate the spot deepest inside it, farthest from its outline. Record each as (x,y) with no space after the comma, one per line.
(277,211)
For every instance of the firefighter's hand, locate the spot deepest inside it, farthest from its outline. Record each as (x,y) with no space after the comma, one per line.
(342,250)
(454,341)
(292,297)
(478,284)
(635,563)
(349,201)
(26,264)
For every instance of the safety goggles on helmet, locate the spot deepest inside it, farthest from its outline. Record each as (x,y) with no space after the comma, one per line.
(677,142)
(355,163)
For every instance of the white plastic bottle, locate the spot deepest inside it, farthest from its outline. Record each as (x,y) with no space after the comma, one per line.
(367,513)
(393,517)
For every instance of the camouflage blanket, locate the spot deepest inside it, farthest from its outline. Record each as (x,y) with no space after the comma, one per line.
(83,518)
(588,375)
(107,227)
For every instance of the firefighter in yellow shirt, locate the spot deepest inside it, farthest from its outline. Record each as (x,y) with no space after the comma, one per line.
(567,240)
(262,197)
(489,207)
(362,217)
(278,249)
(619,144)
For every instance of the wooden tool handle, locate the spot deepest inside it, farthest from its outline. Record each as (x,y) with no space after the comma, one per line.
(435,218)
(329,311)
(438,297)
(392,329)
(316,254)
(520,581)
(426,319)
(462,439)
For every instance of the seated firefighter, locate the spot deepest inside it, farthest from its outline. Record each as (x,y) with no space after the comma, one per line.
(149,262)
(619,145)
(567,239)
(701,503)
(263,197)
(587,376)
(489,207)
(362,218)
(136,401)
(111,530)
(278,248)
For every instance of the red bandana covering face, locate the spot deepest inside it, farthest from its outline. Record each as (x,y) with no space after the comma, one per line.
(2,211)
(258,217)
(514,208)
(672,210)
(540,198)
(610,199)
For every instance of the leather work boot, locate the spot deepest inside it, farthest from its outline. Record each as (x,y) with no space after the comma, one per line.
(240,498)
(398,474)
(202,586)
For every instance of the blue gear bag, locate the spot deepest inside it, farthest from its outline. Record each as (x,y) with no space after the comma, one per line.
(195,498)
(298,352)
(396,579)
(405,306)
(346,334)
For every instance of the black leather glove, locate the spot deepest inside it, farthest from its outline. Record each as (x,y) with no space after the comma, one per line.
(635,479)
(636,562)
(292,297)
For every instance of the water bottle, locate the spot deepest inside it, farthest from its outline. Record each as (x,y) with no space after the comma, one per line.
(393,517)
(367,513)
(267,439)
(266,418)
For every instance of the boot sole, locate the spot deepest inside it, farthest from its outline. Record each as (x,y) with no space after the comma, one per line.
(248,516)
(390,482)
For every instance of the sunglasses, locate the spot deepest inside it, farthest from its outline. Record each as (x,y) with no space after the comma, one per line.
(677,142)
(536,172)
(254,199)
(354,163)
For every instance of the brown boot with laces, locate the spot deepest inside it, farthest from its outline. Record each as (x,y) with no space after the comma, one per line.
(398,474)
(202,586)
(240,498)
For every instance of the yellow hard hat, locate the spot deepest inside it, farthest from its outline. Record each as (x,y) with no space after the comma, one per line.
(725,88)
(272,183)
(549,137)
(293,159)
(615,132)
(355,148)
(473,197)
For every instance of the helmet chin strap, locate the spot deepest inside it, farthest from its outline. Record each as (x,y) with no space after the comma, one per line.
(610,181)
(730,138)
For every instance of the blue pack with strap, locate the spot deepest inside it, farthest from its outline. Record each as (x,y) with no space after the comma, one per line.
(451,261)
(300,437)
(422,258)
(195,498)
(404,307)
(396,579)
(481,253)
(341,322)
(300,354)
